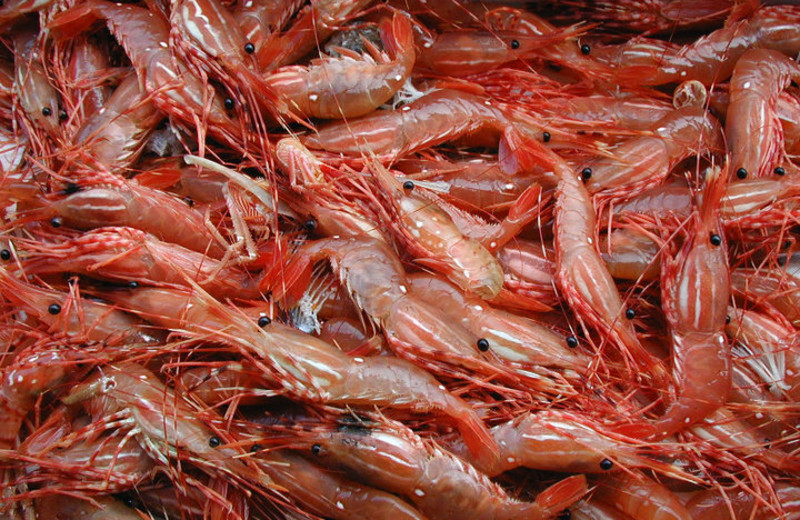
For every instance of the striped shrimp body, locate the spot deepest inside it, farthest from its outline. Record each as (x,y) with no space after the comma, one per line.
(695,296)
(390,456)
(349,86)
(752,124)
(305,366)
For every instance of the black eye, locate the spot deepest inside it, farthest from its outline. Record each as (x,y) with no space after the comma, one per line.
(630,314)
(408,185)
(572,342)
(586,173)
(741,173)
(263,321)
(315,449)
(546,137)
(62,114)
(5,254)
(249,48)
(255,448)
(514,44)
(606,464)
(585,49)
(214,441)
(189,202)
(46,111)
(780,171)
(310,225)
(71,188)
(715,239)
(133,284)
(727,319)
(483,344)
(54,309)
(229,103)
(56,222)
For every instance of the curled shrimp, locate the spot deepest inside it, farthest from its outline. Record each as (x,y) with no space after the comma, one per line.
(305,366)
(335,88)
(695,294)
(752,124)
(390,456)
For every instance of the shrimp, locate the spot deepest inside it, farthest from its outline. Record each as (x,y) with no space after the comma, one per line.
(307,367)
(131,255)
(116,134)
(57,507)
(731,504)
(258,20)
(389,456)
(85,76)
(641,497)
(529,272)
(337,88)
(752,124)
(632,255)
(748,202)
(639,163)
(328,493)
(512,338)
(695,295)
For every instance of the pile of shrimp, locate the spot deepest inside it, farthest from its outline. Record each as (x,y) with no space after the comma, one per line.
(401,259)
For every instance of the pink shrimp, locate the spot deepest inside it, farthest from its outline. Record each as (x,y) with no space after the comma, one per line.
(731,504)
(335,88)
(695,297)
(389,456)
(130,255)
(305,366)
(752,124)
(529,272)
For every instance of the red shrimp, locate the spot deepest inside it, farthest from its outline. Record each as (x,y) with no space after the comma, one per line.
(38,99)
(632,113)
(515,339)
(752,124)
(641,497)
(58,507)
(769,286)
(350,86)
(305,366)
(130,255)
(328,493)
(389,456)
(85,76)
(639,163)
(631,254)
(258,20)
(116,134)
(731,504)
(695,296)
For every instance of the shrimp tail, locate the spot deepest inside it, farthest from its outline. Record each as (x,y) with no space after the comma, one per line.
(74,21)
(397,37)
(562,494)
(479,441)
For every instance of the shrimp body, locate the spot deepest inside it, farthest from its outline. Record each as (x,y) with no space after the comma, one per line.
(37,97)
(641,497)
(752,124)
(393,458)
(334,88)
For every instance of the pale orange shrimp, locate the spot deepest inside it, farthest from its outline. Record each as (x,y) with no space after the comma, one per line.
(116,134)
(625,112)
(307,367)
(709,59)
(639,496)
(72,315)
(514,339)
(330,494)
(389,456)
(349,86)
(752,124)
(641,162)
(695,295)
(436,241)
(581,273)
(131,255)
(631,254)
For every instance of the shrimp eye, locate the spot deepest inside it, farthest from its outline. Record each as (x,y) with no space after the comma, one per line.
(255,448)
(229,103)
(54,309)
(606,464)
(62,114)
(565,515)
(585,49)
(572,342)
(483,344)
(315,449)
(630,314)
(514,44)
(780,171)
(56,222)
(214,441)
(727,319)
(46,111)
(133,284)
(263,321)
(715,239)
(408,185)
(586,173)
(189,202)
(249,48)
(310,225)
(71,188)
(741,173)
(546,137)
(5,254)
